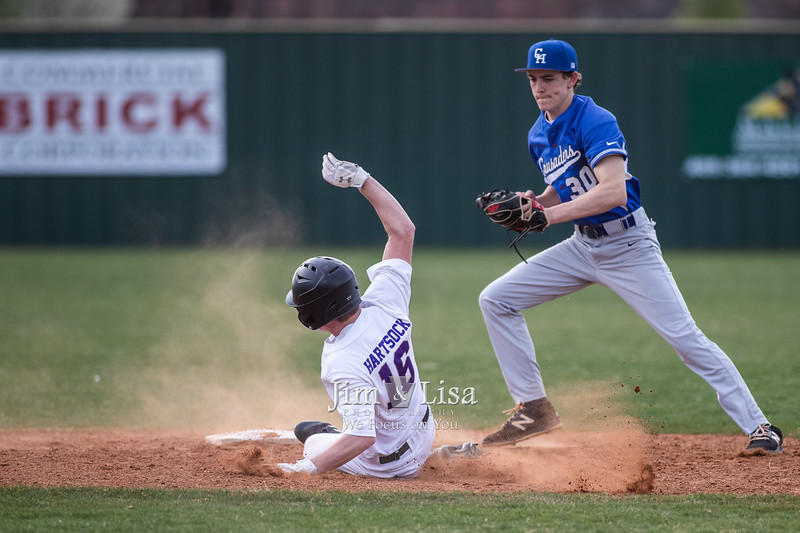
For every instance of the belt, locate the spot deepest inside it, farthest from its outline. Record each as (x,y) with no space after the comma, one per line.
(613,227)
(404,448)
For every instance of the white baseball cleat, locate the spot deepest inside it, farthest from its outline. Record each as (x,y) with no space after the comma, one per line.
(450,452)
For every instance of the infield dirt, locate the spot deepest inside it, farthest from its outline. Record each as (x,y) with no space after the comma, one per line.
(562,462)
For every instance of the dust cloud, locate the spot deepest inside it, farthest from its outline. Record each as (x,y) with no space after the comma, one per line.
(599,449)
(232,367)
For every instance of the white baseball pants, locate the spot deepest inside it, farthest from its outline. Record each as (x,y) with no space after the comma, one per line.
(408,465)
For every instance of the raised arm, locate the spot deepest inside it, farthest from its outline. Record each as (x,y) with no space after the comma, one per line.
(396,222)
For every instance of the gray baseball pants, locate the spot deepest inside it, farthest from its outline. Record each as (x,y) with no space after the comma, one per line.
(631,265)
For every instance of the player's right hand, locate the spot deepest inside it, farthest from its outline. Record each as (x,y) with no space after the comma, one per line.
(342,173)
(303,465)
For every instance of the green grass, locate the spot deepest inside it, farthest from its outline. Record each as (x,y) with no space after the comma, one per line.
(186,337)
(27,509)
(107,337)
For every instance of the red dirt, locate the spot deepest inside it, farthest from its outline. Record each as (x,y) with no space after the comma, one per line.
(562,462)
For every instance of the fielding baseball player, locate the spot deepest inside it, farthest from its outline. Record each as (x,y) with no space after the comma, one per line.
(368,365)
(581,152)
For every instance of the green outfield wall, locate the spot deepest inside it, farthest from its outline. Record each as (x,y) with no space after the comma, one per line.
(711,122)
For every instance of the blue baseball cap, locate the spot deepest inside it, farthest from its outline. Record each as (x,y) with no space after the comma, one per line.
(551,55)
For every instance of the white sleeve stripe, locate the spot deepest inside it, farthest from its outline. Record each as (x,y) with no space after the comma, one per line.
(604,153)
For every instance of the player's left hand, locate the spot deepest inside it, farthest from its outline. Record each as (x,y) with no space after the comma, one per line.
(342,173)
(303,465)
(514,211)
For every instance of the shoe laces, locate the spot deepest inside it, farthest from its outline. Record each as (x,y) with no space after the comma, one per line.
(762,432)
(514,410)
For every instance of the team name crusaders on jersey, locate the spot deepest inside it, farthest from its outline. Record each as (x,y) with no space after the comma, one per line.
(554,148)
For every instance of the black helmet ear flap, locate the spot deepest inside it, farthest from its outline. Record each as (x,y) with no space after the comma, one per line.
(323,289)
(290,299)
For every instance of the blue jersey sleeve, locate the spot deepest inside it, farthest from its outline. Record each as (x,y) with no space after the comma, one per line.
(600,135)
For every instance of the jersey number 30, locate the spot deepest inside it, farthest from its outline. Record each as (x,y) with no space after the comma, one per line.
(582,183)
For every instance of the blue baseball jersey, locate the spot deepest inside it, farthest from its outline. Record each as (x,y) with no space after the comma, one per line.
(567,150)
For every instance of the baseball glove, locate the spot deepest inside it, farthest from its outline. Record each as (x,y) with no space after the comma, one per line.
(507,209)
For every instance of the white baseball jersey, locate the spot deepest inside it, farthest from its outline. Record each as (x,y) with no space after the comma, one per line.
(371,376)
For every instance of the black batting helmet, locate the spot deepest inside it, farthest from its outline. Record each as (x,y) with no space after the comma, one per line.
(323,289)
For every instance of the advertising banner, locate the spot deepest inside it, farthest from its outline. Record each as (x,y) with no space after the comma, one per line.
(744,122)
(112,112)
